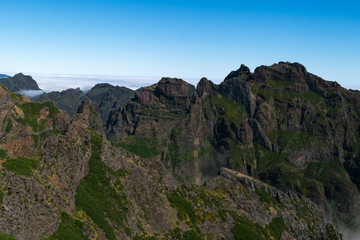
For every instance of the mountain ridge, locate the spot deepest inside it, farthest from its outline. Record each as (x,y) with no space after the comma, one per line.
(266,155)
(249,115)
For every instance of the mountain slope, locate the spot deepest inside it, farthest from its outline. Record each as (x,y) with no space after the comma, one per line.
(19,82)
(280,124)
(61,179)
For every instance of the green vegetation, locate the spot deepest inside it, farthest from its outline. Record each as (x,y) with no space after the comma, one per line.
(185,209)
(263,91)
(264,196)
(324,171)
(294,140)
(160,114)
(4,236)
(179,153)
(9,125)
(101,200)
(277,89)
(276,227)
(238,155)
(69,229)
(3,153)
(278,83)
(268,160)
(2,195)
(180,149)
(192,204)
(137,237)
(177,234)
(245,229)
(142,147)
(36,140)
(312,97)
(21,165)
(234,111)
(32,111)
(245,232)
(13,95)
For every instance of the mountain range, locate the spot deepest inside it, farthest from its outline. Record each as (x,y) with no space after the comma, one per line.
(105,95)
(269,154)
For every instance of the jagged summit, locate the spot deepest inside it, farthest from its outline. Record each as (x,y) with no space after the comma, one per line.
(242,72)
(174,87)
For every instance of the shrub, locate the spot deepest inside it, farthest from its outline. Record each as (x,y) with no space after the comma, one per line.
(21,165)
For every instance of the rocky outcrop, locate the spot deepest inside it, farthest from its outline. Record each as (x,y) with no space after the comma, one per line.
(205,87)
(236,86)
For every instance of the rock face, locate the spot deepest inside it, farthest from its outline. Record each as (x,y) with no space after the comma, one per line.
(19,82)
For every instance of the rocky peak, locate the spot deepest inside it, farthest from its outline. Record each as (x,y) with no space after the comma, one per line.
(92,113)
(174,88)
(205,87)
(102,85)
(72,90)
(242,72)
(282,71)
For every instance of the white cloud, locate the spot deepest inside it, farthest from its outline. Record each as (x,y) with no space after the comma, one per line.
(30,93)
(53,82)
(59,82)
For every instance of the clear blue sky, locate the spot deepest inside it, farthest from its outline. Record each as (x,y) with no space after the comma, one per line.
(188,39)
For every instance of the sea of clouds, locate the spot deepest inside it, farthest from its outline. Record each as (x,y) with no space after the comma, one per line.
(52,82)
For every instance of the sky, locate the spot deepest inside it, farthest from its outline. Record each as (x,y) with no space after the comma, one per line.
(140,41)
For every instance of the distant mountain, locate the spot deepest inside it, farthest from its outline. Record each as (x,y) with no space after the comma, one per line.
(109,97)
(4,76)
(19,82)
(105,95)
(68,100)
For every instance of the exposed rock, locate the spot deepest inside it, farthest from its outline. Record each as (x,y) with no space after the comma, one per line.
(205,87)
